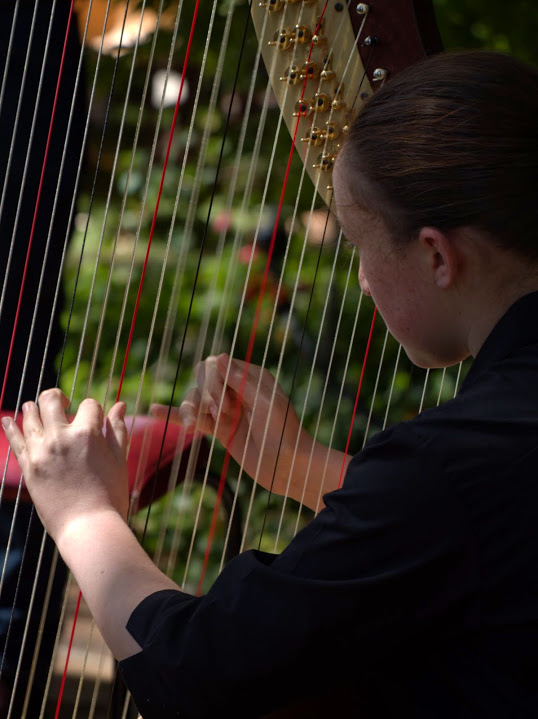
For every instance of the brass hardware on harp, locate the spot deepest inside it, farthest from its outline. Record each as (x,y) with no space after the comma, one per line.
(333,131)
(302,108)
(307,33)
(291,75)
(325,162)
(310,71)
(317,136)
(273,5)
(379,74)
(286,39)
(321,102)
(327,74)
(282,40)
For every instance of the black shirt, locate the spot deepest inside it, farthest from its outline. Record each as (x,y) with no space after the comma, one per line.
(413,594)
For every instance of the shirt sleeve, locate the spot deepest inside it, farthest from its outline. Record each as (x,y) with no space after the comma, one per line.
(389,557)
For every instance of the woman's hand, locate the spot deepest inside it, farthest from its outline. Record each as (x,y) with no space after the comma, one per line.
(72,470)
(245,408)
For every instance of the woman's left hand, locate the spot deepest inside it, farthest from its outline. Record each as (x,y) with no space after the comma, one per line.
(72,469)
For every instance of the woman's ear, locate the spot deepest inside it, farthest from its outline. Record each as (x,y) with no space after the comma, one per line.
(441,256)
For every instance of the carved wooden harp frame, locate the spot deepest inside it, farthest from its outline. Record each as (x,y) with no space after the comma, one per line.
(323,60)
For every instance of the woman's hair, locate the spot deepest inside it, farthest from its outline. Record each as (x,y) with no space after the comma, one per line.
(452,142)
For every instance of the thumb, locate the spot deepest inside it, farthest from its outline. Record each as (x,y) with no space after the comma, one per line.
(116,431)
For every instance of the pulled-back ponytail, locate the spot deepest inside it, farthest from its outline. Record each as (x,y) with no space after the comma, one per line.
(450,142)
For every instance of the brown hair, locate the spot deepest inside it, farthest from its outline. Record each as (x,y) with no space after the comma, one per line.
(452,142)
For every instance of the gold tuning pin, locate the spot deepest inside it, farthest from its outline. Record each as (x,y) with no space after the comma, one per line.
(333,131)
(310,71)
(273,5)
(338,105)
(302,108)
(282,39)
(318,40)
(291,75)
(321,102)
(325,162)
(314,136)
(302,35)
(327,74)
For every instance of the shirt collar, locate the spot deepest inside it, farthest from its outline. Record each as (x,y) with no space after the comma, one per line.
(516,329)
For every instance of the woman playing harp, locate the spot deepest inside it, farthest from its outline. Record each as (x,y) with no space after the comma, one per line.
(415,588)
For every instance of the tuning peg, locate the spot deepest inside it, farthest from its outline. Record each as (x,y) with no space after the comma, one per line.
(291,75)
(338,105)
(321,102)
(325,162)
(282,39)
(302,108)
(310,71)
(333,131)
(314,136)
(273,5)
(302,34)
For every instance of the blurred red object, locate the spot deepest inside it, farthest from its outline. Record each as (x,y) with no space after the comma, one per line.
(152,450)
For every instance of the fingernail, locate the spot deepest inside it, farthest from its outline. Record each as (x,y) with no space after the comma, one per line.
(6,421)
(213,409)
(25,407)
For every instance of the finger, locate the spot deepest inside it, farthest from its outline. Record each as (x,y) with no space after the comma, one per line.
(117,436)
(244,378)
(190,409)
(161,411)
(90,415)
(31,421)
(52,406)
(210,382)
(16,440)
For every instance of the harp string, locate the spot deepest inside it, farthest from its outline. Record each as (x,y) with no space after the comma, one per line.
(287,330)
(78,603)
(108,203)
(14,134)
(252,337)
(262,363)
(326,383)
(141,283)
(16,504)
(40,188)
(291,392)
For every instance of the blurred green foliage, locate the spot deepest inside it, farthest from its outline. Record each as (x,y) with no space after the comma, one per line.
(213,203)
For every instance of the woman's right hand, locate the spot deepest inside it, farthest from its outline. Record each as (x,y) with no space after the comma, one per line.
(246,409)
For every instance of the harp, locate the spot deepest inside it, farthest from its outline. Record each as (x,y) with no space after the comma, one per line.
(154,201)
